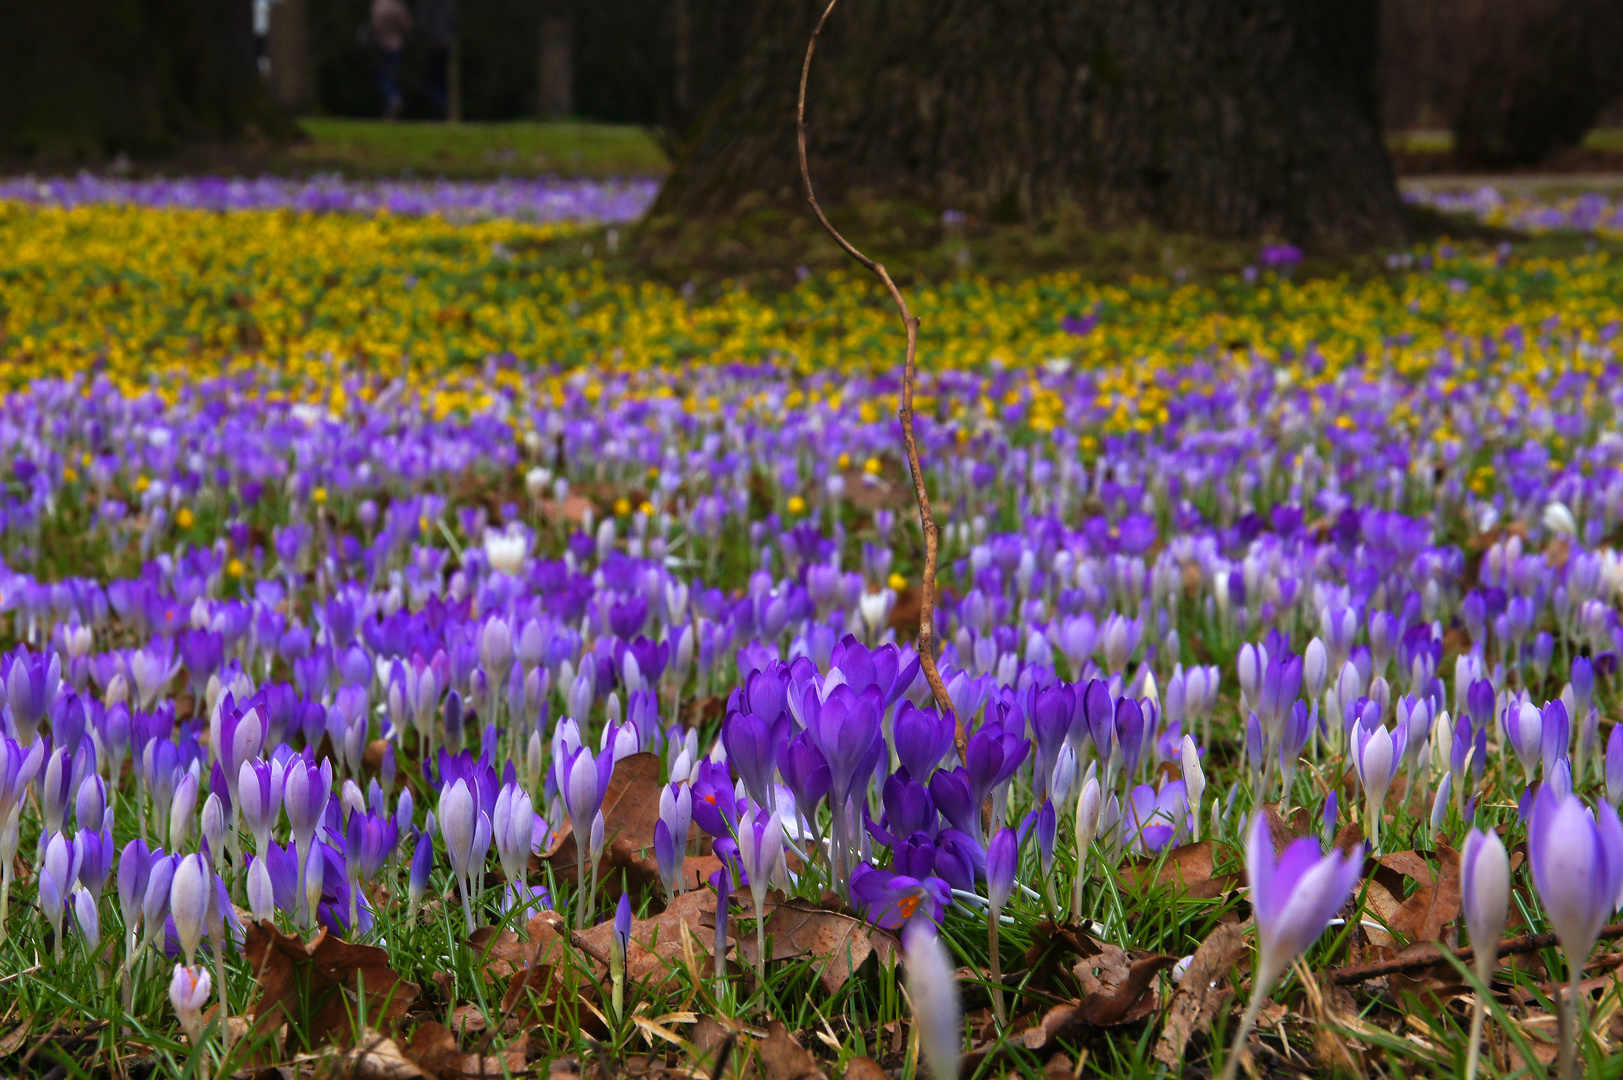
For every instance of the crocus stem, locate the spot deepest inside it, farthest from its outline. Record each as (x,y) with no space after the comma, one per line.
(992,915)
(5,894)
(580,884)
(225,1002)
(354,907)
(1231,1067)
(760,943)
(1571,1018)
(299,897)
(1372,821)
(1478,1012)
(467,904)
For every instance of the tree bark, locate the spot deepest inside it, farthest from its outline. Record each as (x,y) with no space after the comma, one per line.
(292,77)
(555,69)
(1535,76)
(1209,116)
(86,78)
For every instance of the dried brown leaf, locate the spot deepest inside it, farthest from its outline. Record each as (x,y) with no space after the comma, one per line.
(864,1068)
(1435,904)
(1130,1000)
(630,810)
(1188,868)
(376,1057)
(434,1049)
(656,944)
(546,941)
(796,928)
(313,986)
(781,1057)
(1202,992)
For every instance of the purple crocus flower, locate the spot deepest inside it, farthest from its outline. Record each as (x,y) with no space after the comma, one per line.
(30,682)
(466,830)
(1524,733)
(890,900)
(1294,896)
(671,834)
(1484,895)
(1614,767)
(1377,755)
(1577,860)
(422,865)
(752,748)
(805,772)
(921,737)
(845,727)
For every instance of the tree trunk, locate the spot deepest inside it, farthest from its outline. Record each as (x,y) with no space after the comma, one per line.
(1207,116)
(1536,76)
(292,77)
(85,78)
(556,70)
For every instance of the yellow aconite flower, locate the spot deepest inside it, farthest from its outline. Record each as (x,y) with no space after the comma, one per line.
(185,518)
(319,496)
(897,582)
(234,568)
(797,505)
(622,506)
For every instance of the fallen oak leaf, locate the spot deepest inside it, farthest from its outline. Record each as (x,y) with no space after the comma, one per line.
(1187,868)
(656,948)
(433,1049)
(1202,991)
(313,987)
(378,1057)
(864,1068)
(796,928)
(1130,1000)
(504,952)
(630,811)
(781,1057)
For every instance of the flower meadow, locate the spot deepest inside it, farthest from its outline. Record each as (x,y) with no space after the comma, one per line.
(426,656)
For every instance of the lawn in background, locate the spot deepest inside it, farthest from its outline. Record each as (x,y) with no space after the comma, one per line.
(515,148)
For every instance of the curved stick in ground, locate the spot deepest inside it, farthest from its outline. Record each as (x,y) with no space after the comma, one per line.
(926,641)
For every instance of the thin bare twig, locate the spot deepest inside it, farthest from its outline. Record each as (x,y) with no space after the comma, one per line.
(926,641)
(1526,943)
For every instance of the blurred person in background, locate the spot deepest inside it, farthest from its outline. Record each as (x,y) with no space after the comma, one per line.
(391,23)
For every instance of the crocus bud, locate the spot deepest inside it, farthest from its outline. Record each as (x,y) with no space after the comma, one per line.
(1614,765)
(932,991)
(1439,803)
(1087,811)
(181,811)
(1002,861)
(1315,668)
(1293,896)
(1484,895)
(214,823)
(422,864)
(1194,779)
(134,870)
(87,918)
(619,942)
(513,829)
(261,895)
(189,992)
(189,903)
(1577,862)
(315,869)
